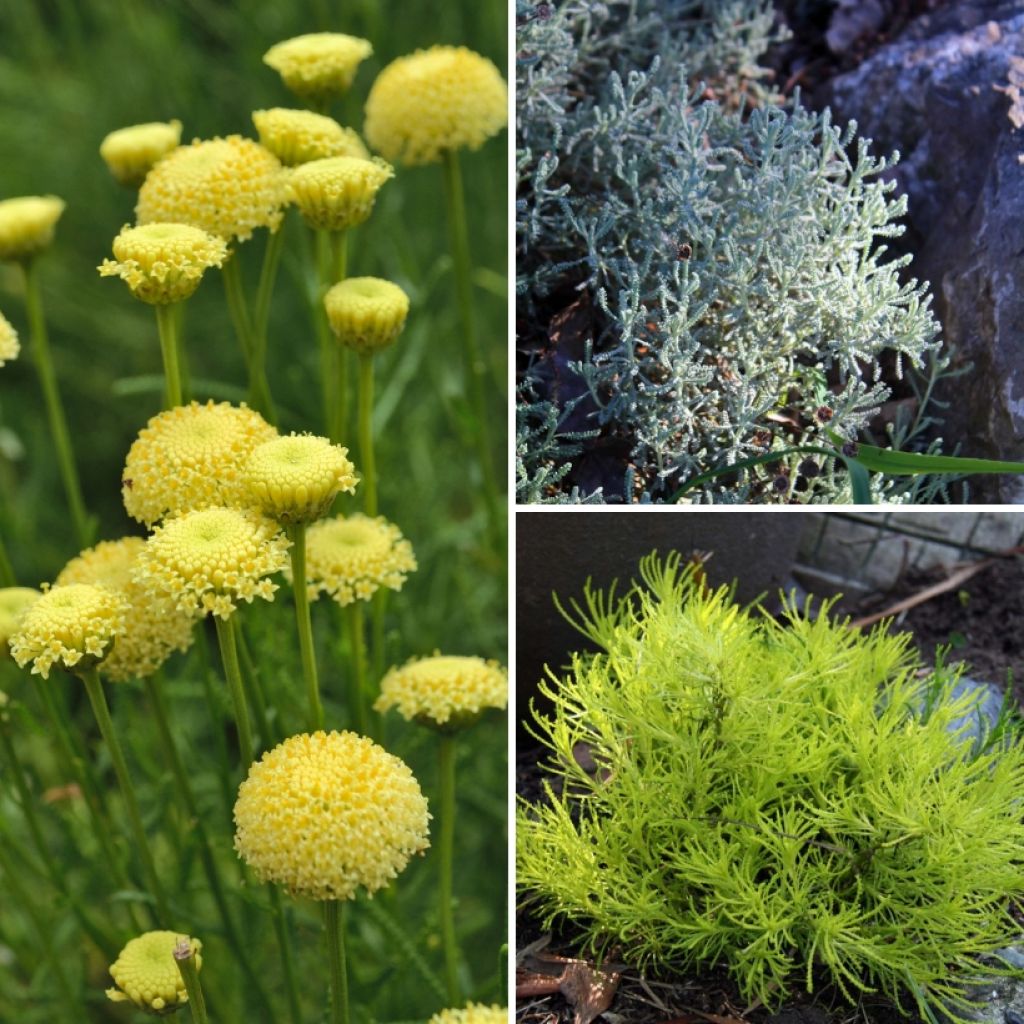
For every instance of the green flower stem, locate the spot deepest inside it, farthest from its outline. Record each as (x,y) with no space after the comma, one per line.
(7,577)
(328,346)
(54,407)
(233,675)
(259,386)
(167,325)
(297,535)
(253,690)
(378,607)
(474,364)
(335,924)
(226,772)
(190,976)
(100,709)
(179,334)
(446,851)
(339,255)
(366,434)
(355,620)
(234,292)
(339,412)
(287,959)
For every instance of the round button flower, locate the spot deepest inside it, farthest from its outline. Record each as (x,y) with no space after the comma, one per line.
(191,457)
(434,100)
(147,974)
(153,628)
(14,602)
(228,187)
(71,626)
(9,346)
(164,263)
(27,225)
(366,313)
(323,814)
(294,479)
(338,192)
(298,136)
(444,689)
(319,66)
(351,557)
(129,153)
(474,1013)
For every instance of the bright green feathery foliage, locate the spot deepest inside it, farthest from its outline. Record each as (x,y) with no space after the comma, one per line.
(782,799)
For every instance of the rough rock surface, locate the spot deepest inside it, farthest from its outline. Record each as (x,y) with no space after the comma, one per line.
(937,94)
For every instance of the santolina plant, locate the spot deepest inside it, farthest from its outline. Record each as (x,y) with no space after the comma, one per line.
(793,801)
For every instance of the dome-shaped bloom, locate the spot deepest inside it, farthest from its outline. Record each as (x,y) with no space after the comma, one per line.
(338,192)
(294,479)
(147,974)
(366,313)
(153,628)
(14,602)
(326,813)
(73,625)
(191,457)
(27,225)
(206,561)
(227,187)
(434,100)
(474,1013)
(131,152)
(318,66)
(9,346)
(444,689)
(298,136)
(352,557)
(164,263)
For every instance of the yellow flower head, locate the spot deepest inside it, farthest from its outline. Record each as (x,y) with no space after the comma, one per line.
(338,192)
(14,602)
(206,561)
(147,974)
(366,313)
(319,66)
(131,152)
(323,814)
(474,1013)
(27,225)
(164,263)
(153,628)
(352,557)
(298,136)
(444,689)
(191,457)
(227,187)
(434,100)
(9,347)
(73,625)
(294,479)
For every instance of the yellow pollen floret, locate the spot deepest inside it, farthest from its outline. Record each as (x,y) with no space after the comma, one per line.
(298,136)
(351,557)
(9,346)
(74,626)
(27,225)
(318,66)
(228,187)
(191,457)
(153,628)
(147,974)
(338,192)
(164,263)
(207,561)
(130,152)
(444,688)
(435,100)
(14,602)
(474,1013)
(366,313)
(326,813)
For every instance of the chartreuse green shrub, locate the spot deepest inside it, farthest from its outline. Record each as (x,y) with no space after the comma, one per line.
(785,800)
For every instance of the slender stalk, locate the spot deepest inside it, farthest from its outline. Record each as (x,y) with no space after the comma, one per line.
(253,690)
(100,709)
(179,334)
(7,577)
(378,606)
(339,410)
(366,433)
(329,354)
(474,364)
(297,535)
(186,961)
(167,325)
(251,345)
(334,924)
(446,850)
(259,386)
(233,675)
(287,960)
(354,615)
(224,775)
(54,408)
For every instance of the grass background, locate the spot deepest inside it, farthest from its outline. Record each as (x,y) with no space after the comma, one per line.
(69,73)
